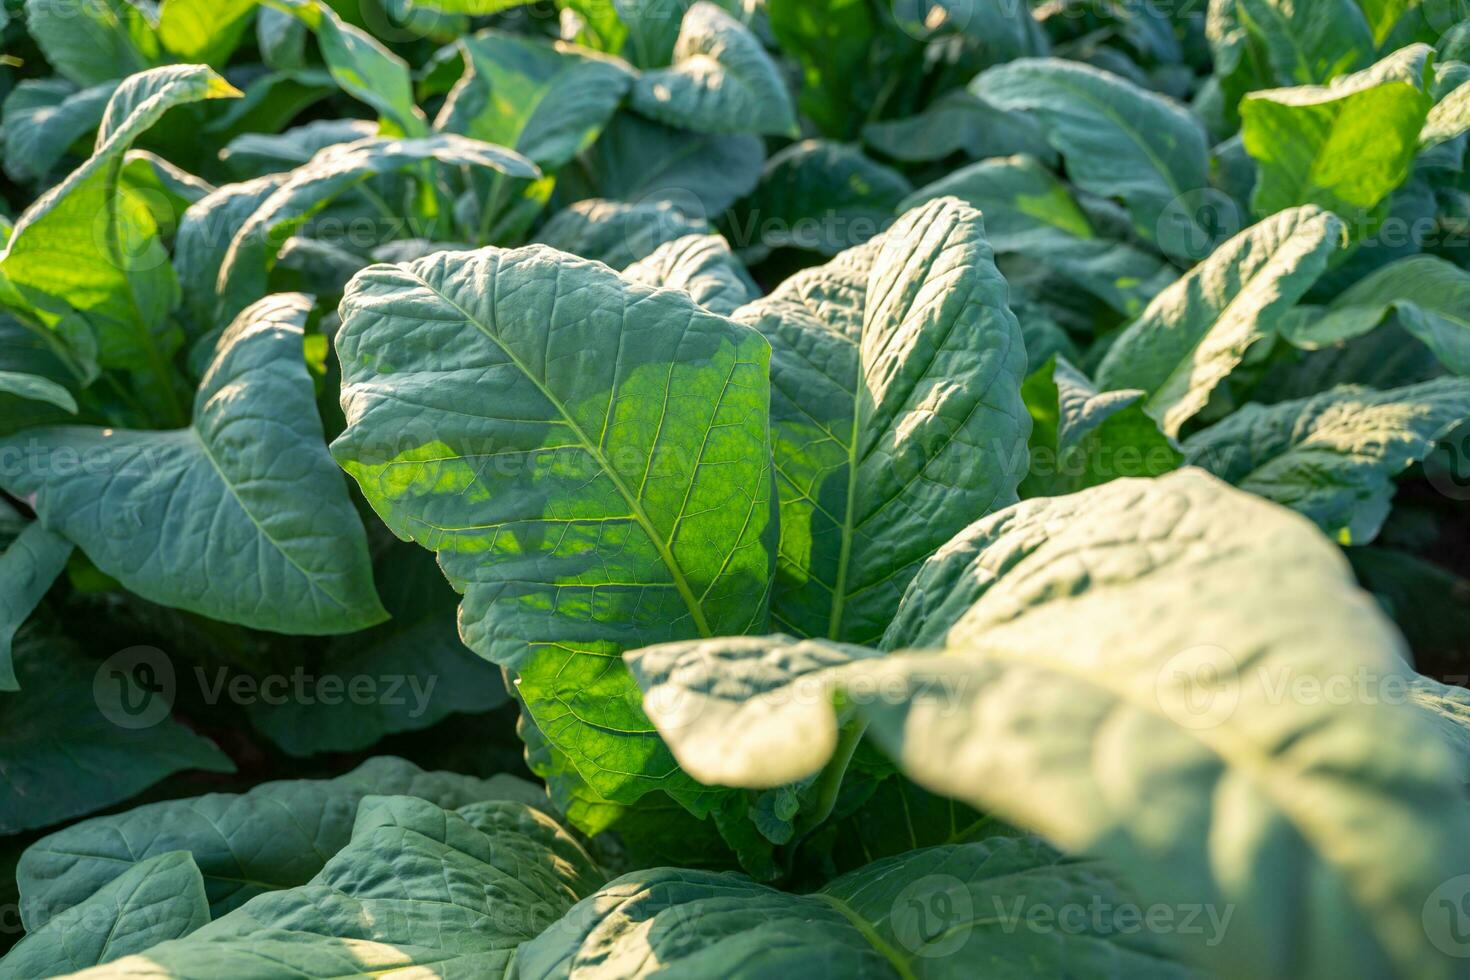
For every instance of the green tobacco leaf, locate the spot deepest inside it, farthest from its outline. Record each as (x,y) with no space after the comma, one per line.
(618,234)
(896,415)
(418,889)
(640,161)
(205,31)
(1449,118)
(44,118)
(426,673)
(1029,211)
(819,196)
(277,835)
(1117,140)
(362,66)
(721,81)
(203,241)
(79,737)
(1183,632)
(1082,438)
(244,272)
(33,387)
(1265,43)
(1344,146)
(1448,706)
(28,567)
(257,154)
(958,122)
(940,912)
(95,42)
(1333,457)
(612,487)
(650,27)
(84,258)
(240,517)
(1198,330)
(545,100)
(151,902)
(702,266)
(1427,296)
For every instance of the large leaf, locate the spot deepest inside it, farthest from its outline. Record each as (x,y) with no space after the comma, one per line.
(1029,211)
(277,835)
(203,30)
(590,459)
(79,737)
(547,101)
(43,118)
(94,42)
(451,893)
(1426,295)
(151,902)
(896,415)
(362,65)
(1265,43)
(85,252)
(29,566)
(1116,139)
(1333,457)
(1198,330)
(1344,146)
(244,270)
(721,81)
(241,516)
(941,912)
(1186,634)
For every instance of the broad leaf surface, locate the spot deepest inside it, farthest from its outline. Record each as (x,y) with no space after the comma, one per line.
(589,458)
(896,414)
(29,566)
(1029,211)
(1198,330)
(721,80)
(151,902)
(241,516)
(1160,628)
(939,912)
(1117,140)
(547,101)
(418,889)
(1344,146)
(83,252)
(1333,457)
(277,835)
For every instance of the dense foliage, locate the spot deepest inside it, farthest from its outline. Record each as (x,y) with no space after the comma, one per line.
(942,488)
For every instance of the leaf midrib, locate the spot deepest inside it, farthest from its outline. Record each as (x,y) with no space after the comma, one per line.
(681,583)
